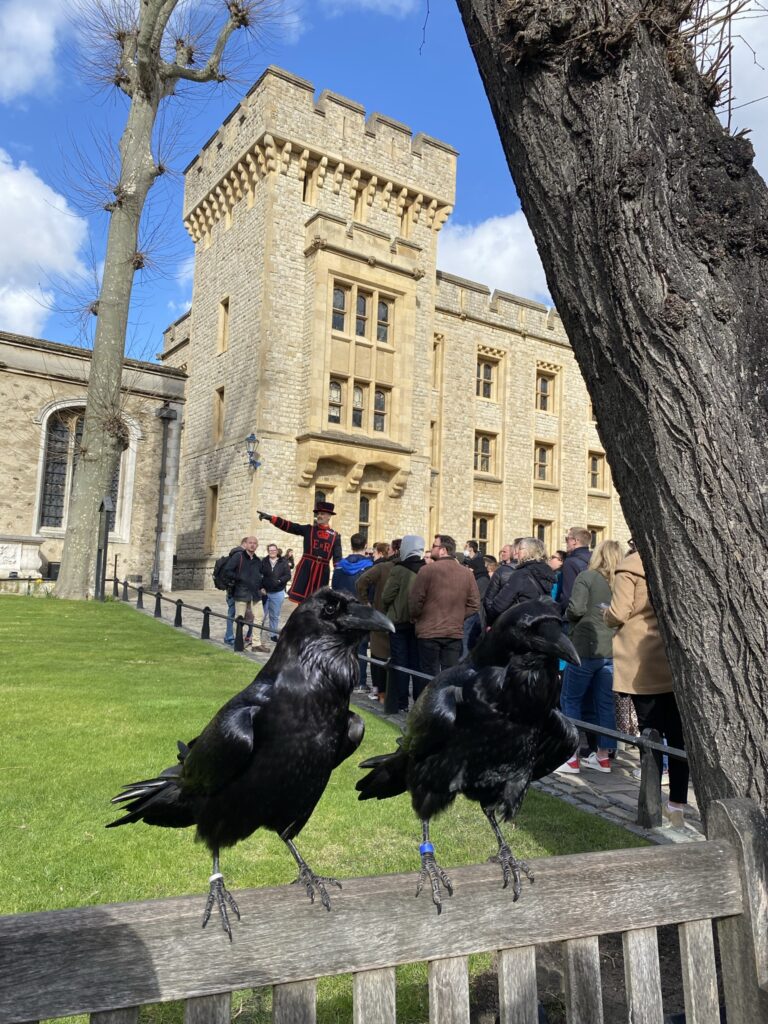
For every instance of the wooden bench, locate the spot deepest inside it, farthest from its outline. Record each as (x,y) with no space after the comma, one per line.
(109,960)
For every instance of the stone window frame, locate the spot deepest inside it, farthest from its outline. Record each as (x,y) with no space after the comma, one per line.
(484,531)
(485,454)
(123,513)
(597,472)
(542,529)
(219,414)
(547,399)
(598,535)
(488,373)
(543,463)
(365,525)
(348,326)
(222,328)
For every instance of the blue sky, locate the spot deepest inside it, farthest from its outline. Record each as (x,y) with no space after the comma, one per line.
(54,123)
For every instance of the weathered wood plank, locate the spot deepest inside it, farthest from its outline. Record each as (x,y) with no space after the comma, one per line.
(583,991)
(209,1009)
(697,959)
(642,976)
(449,990)
(130,1015)
(744,939)
(374,997)
(295,1003)
(518,1001)
(101,958)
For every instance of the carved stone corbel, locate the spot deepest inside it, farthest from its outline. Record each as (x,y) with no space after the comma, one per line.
(355,475)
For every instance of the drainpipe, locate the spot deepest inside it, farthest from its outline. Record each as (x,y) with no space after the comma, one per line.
(166,414)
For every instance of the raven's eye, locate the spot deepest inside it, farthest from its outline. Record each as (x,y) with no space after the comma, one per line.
(330,609)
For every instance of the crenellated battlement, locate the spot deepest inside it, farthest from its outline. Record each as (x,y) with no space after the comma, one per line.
(472,300)
(328,143)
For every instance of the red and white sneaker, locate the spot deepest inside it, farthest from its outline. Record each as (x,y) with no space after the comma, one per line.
(570,767)
(599,764)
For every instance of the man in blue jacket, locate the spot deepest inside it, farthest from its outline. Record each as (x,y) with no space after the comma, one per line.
(344,576)
(577,557)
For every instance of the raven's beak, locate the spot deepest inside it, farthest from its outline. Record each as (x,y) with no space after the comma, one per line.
(365,619)
(564,649)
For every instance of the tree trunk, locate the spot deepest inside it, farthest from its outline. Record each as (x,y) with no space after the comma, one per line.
(651,225)
(105,434)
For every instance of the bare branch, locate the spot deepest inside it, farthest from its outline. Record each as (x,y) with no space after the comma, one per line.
(240,15)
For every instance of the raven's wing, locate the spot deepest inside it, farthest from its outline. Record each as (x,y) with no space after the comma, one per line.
(224,749)
(351,739)
(558,739)
(460,698)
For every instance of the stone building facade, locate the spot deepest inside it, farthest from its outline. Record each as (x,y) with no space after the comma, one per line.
(42,394)
(414,400)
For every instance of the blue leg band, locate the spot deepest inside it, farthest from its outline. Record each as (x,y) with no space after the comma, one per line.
(426,848)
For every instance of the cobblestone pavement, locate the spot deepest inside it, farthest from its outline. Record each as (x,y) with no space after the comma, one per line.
(611,795)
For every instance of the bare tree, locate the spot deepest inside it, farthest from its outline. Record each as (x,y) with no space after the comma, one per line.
(145,49)
(653,229)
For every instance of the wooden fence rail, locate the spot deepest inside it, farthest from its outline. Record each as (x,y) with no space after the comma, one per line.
(109,960)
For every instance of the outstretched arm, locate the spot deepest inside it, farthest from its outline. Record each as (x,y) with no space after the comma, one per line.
(284,524)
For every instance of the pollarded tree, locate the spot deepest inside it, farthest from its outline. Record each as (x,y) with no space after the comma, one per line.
(651,225)
(149,47)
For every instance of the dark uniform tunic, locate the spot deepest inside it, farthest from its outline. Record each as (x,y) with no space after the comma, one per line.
(321,544)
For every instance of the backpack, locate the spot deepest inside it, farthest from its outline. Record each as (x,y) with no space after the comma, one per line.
(218,580)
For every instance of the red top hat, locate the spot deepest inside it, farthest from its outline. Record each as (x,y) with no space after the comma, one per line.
(324,506)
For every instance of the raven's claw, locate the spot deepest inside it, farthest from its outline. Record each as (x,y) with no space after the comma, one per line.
(432,870)
(511,869)
(220,895)
(311,881)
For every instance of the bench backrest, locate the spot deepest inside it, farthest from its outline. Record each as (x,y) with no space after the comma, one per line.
(109,960)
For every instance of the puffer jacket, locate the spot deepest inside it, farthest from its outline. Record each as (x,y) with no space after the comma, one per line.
(528,581)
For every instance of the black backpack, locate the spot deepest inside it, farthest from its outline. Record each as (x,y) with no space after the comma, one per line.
(218,580)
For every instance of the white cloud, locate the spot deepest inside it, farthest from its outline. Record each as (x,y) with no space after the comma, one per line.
(41,239)
(499,252)
(396,8)
(28,37)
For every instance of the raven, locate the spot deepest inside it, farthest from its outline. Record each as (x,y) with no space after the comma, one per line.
(265,758)
(485,728)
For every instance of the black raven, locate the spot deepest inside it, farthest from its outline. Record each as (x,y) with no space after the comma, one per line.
(265,758)
(485,728)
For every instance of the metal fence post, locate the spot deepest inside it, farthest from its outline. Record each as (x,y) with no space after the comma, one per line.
(649,797)
(179,606)
(158,606)
(125,590)
(115,587)
(205,632)
(140,598)
(239,645)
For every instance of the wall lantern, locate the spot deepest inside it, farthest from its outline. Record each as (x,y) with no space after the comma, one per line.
(251,447)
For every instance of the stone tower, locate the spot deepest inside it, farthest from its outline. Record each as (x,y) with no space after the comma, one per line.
(312,320)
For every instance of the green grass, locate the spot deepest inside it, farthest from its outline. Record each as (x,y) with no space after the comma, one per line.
(95,696)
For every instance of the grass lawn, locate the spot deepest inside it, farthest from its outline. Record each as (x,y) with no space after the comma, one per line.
(94,696)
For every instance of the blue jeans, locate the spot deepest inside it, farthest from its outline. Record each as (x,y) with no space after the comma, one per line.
(273,604)
(591,682)
(229,635)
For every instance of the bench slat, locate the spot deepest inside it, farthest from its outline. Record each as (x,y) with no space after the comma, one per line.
(374,997)
(642,976)
(207,1009)
(58,963)
(518,1002)
(129,1015)
(449,991)
(583,991)
(697,959)
(295,1003)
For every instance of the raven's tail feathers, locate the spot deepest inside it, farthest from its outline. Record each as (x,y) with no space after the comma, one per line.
(157,801)
(386,779)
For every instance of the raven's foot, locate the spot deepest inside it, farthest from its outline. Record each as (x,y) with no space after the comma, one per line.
(511,869)
(220,895)
(431,870)
(312,882)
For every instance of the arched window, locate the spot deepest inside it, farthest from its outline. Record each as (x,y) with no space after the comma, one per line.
(358,405)
(63,439)
(334,402)
(364,518)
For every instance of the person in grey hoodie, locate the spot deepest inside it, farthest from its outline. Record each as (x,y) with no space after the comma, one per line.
(403,648)
(344,578)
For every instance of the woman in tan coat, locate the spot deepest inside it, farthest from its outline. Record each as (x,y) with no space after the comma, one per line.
(640,668)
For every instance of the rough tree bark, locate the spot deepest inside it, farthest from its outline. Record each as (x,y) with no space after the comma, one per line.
(147,79)
(651,225)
